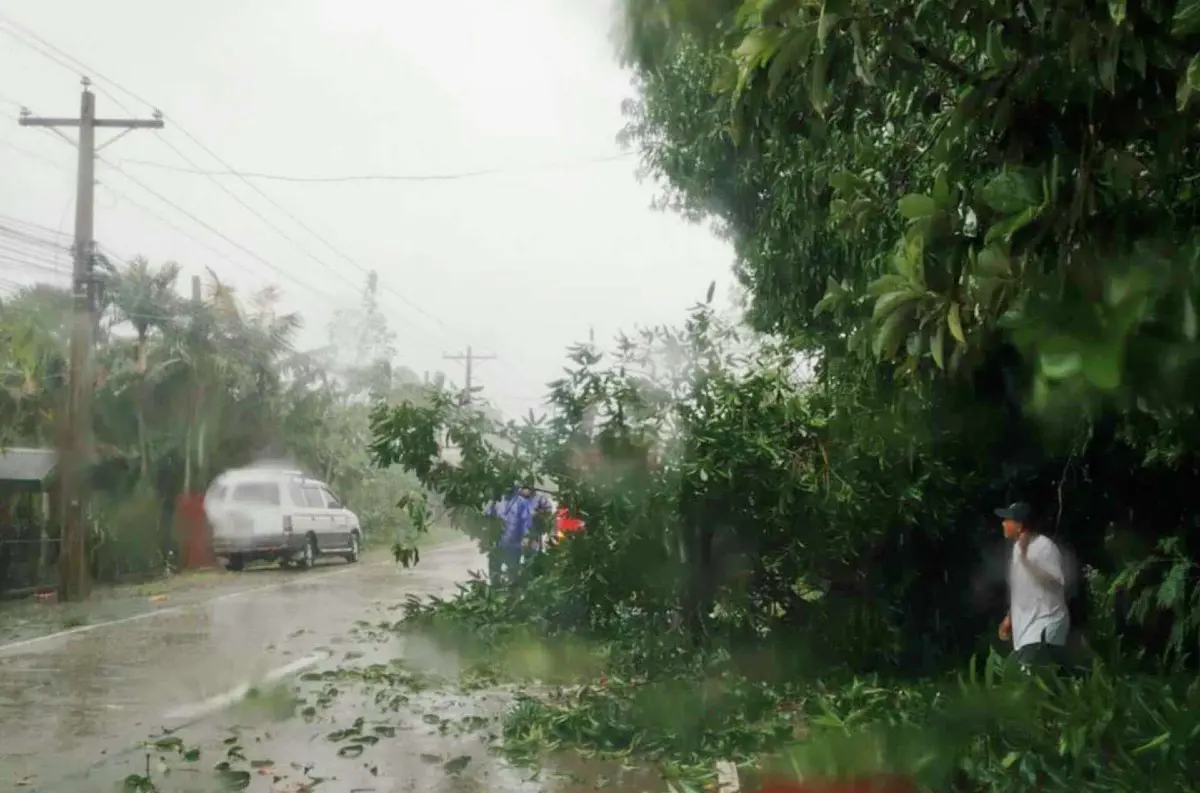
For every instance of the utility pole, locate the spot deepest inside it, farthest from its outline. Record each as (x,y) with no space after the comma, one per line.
(76,438)
(470,358)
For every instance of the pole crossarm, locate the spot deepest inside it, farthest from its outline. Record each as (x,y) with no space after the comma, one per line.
(469,357)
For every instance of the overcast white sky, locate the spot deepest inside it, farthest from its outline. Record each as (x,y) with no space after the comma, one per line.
(519,264)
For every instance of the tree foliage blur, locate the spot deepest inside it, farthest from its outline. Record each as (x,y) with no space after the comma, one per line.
(983,211)
(188,388)
(968,236)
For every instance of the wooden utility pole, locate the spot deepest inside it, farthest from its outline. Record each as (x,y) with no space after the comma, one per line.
(75,453)
(470,358)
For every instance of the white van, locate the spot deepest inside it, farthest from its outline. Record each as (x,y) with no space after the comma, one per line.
(277,514)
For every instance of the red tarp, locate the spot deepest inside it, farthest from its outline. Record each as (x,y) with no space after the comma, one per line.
(195,550)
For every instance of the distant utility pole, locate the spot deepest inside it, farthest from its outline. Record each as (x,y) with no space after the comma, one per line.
(470,358)
(76,438)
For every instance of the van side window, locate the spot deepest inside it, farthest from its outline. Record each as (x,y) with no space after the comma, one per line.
(296,495)
(261,493)
(312,497)
(330,499)
(217,493)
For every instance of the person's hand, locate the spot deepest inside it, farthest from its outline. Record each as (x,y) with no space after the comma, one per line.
(1005,629)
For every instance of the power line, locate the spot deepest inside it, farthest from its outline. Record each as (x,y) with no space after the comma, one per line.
(33,239)
(442,177)
(229,168)
(248,208)
(320,238)
(41,257)
(210,228)
(34,229)
(48,55)
(22,261)
(11,22)
(233,172)
(32,155)
(48,231)
(11,101)
(307,288)
(196,219)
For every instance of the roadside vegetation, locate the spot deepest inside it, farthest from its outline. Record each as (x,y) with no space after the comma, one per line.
(967,236)
(186,389)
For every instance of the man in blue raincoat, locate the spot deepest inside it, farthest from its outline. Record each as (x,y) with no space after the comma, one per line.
(516,513)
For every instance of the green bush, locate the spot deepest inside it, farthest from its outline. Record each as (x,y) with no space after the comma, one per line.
(127,541)
(1008,730)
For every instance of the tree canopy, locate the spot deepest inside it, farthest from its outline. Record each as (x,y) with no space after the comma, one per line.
(967,232)
(188,388)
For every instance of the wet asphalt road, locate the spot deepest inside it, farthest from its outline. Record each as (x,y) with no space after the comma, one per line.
(74,706)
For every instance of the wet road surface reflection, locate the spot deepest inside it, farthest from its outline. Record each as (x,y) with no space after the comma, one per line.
(281,686)
(67,703)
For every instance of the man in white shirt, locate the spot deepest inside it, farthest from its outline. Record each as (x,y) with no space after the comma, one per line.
(1037,622)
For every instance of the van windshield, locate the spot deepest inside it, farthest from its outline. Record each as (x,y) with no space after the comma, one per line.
(263,493)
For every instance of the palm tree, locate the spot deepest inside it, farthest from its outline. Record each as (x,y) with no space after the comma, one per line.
(145,297)
(34,330)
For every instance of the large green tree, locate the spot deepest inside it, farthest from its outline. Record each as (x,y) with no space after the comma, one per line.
(975,214)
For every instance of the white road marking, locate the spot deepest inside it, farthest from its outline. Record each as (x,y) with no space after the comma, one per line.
(207,707)
(5,649)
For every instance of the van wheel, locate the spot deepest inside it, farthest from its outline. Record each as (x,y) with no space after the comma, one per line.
(355,550)
(308,554)
(235,563)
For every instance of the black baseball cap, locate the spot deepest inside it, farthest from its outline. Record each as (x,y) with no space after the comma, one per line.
(1019,511)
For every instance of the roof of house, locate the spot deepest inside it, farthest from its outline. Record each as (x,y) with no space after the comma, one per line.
(27,465)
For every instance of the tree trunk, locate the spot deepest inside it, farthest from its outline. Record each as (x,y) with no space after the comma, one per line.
(143,443)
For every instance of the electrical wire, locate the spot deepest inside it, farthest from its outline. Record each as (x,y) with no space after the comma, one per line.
(33,155)
(157,216)
(282,273)
(48,55)
(436,177)
(11,101)
(53,49)
(33,256)
(22,261)
(231,170)
(266,221)
(48,232)
(32,239)
(246,177)
(212,229)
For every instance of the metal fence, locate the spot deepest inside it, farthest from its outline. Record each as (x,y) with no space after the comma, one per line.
(29,564)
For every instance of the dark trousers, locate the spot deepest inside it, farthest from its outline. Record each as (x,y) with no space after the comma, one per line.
(1039,654)
(503,564)
(1042,654)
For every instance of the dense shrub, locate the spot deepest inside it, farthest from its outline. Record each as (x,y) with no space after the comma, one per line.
(967,233)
